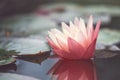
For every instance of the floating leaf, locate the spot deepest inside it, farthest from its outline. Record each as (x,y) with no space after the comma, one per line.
(6,56)
(33,50)
(11,76)
(108,36)
(25,25)
(25,45)
(7,61)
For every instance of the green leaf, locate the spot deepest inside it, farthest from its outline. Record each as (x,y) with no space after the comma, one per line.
(108,36)
(25,45)
(6,56)
(32,50)
(25,25)
(7,61)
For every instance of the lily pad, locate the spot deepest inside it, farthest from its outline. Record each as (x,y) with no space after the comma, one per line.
(10,76)
(25,45)
(6,54)
(25,25)
(28,48)
(7,61)
(108,37)
(70,11)
(6,57)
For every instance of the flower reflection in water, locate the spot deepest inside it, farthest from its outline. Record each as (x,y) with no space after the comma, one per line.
(73,70)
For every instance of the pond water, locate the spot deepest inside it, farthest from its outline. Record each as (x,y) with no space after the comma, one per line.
(57,69)
(26,34)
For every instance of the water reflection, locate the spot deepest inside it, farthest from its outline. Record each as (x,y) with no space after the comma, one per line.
(8,68)
(73,70)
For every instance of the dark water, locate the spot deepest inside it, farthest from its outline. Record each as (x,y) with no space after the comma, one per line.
(108,69)
(98,69)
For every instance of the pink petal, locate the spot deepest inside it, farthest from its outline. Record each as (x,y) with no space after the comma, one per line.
(52,37)
(75,48)
(61,53)
(90,28)
(51,43)
(76,22)
(90,23)
(62,44)
(65,55)
(96,30)
(65,25)
(82,27)
(66,29)
(89,53)
(71,24)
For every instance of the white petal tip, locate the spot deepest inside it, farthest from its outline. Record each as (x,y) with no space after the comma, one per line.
(91,17)
(76,18)
(81,19)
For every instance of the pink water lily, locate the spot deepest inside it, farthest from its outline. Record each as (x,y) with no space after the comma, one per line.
(75,41)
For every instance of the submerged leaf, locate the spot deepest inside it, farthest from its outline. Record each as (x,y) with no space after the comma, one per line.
(107,52)
(35,58)
(10,76)
(8,67)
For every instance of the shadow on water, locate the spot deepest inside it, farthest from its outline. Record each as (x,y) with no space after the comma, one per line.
(106,69)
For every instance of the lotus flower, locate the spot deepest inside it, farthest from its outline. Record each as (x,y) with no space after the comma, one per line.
(75,41)
(73,70)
